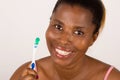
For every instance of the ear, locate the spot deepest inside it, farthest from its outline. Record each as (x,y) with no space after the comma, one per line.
(94,37)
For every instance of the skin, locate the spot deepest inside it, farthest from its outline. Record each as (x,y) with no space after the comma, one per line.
(70,29)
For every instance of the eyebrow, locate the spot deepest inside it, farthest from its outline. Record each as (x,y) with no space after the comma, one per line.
(60,22)
(56,20)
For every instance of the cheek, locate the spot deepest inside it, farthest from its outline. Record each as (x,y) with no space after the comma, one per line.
(50,36)
(49,39)
(81,44)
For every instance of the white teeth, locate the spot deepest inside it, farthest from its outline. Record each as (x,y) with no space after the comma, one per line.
(62,52)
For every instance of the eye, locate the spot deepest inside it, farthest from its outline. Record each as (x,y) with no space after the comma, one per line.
(58,27)
(78,32)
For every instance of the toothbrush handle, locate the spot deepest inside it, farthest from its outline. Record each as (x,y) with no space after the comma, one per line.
(32,66)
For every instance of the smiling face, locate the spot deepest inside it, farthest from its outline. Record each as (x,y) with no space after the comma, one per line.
(70,33)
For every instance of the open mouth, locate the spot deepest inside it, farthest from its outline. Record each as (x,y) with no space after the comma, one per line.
(62,53)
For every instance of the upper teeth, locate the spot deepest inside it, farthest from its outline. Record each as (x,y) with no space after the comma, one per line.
(62,52)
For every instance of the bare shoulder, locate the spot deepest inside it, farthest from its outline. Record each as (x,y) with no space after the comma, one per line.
(44,68)
(100,68)
(19,71)
(44,63)
(114,75)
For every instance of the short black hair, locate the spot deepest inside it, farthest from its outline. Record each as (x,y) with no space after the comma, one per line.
(95,6)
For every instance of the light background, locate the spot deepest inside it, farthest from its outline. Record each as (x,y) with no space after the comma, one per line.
(22,20)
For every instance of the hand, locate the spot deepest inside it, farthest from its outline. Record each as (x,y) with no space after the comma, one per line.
(29,74)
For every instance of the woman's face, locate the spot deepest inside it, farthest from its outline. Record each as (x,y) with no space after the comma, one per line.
(69,34)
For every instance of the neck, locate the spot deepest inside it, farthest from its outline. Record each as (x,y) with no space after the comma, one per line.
(71,71)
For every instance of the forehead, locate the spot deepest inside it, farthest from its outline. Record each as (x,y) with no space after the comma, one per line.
(73,14)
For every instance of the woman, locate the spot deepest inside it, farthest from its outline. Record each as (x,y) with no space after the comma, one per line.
(74,27)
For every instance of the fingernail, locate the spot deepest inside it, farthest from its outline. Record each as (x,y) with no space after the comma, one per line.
(37,76)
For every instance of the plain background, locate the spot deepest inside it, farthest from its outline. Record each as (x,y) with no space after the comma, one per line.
(23,20)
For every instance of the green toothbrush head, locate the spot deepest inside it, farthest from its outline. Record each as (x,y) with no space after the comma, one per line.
(37,40)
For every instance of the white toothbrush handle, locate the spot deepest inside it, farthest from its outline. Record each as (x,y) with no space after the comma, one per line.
(33,64)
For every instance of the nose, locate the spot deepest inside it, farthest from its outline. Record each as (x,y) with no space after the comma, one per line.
(65,39)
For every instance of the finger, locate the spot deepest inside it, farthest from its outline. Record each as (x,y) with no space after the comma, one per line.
(29,71)
(29,77)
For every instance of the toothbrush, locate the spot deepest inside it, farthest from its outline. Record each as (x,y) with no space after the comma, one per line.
(33,64)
